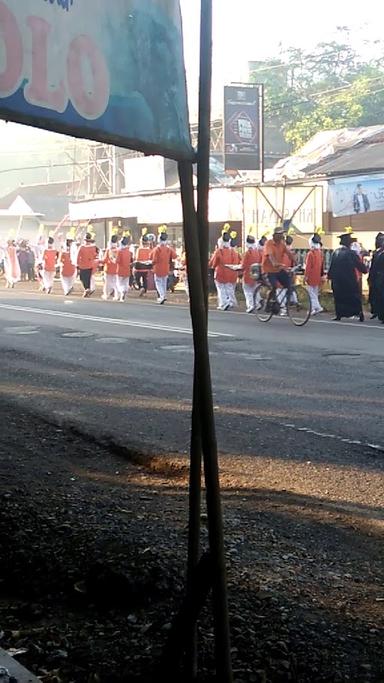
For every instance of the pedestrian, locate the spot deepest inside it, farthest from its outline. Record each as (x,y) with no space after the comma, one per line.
(110,270)
(68,270)
(143,255)
(161,257)
(95,267)
(251,257)
(30,264)
(49,259)
(86,257)
(345,286)
(224,256)
(11,264)
(376,280)
(314,273)
(124,268)
(22,255)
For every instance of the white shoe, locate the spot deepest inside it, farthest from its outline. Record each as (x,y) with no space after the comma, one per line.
(250,309)
(283,313)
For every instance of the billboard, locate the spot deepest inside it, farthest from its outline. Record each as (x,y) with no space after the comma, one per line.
(108,71)
(243,127)
(303,207)
(356,196)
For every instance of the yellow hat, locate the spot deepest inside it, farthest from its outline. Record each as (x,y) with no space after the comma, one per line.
(348,230)
(144,231)
(233,234)
(162,229)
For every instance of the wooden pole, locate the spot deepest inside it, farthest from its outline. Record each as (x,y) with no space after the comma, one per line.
(207,425)
(204,140)
(204,144)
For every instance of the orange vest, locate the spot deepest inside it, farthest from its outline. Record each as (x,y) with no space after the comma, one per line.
(161,259)
(124,261)
(86,256)
(142,254)
(67,267)
(314,267)
(250,257)
(221,258)
(49,259)
(110,261)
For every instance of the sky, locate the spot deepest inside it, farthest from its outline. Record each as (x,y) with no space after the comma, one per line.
(250,30)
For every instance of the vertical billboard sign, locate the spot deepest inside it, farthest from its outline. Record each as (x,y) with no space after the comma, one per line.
(243,127)
(111,71)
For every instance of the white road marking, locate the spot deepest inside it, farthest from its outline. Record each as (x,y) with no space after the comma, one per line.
(335,437)
(110,321)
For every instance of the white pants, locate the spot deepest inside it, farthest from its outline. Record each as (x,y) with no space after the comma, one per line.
(110,286)
(161,286)
(223,294)
(249,293)
(48,277)
(314,297)
(231,287)
(93,282)
(67,282)
(122,285)
(186,286)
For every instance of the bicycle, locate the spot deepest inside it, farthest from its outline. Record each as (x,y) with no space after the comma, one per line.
(269,301)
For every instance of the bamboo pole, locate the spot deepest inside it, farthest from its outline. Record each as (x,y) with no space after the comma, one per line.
(204,143)
(207,424)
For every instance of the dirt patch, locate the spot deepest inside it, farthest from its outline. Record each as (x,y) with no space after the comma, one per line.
(93,554)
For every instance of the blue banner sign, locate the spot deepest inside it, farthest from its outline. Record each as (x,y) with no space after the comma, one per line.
(356,195)
(108,70)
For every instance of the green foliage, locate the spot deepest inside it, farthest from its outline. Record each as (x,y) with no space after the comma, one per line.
(328,88)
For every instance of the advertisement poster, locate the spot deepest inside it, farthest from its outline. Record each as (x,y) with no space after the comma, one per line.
(242,127)
(356,195)
(111,71)
(302,205)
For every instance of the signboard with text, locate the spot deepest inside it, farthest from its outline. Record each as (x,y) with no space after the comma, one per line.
(243,127)
(111,71)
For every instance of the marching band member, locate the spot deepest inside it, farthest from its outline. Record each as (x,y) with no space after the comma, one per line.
(161,258)
(68,270)
(314,272)
(250,257)
(49,266)
(124,268)
(85,262)
(223,256)
(110,270)
(143,253)
(11,264)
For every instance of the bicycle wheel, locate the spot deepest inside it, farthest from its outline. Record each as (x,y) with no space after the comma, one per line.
(263,302)
(299,307)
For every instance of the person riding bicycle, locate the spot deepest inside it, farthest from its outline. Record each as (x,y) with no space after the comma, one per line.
(272,265)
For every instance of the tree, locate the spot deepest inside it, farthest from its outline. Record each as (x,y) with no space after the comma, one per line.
(330,87)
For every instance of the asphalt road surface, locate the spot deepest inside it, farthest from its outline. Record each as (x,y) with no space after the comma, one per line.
(125,370)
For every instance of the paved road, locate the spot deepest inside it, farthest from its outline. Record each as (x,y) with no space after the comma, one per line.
(126,369)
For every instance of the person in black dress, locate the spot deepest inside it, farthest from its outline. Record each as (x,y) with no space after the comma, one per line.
(376,280)
(345,286)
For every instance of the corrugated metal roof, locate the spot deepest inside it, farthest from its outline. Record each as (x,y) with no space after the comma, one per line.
(348,150)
